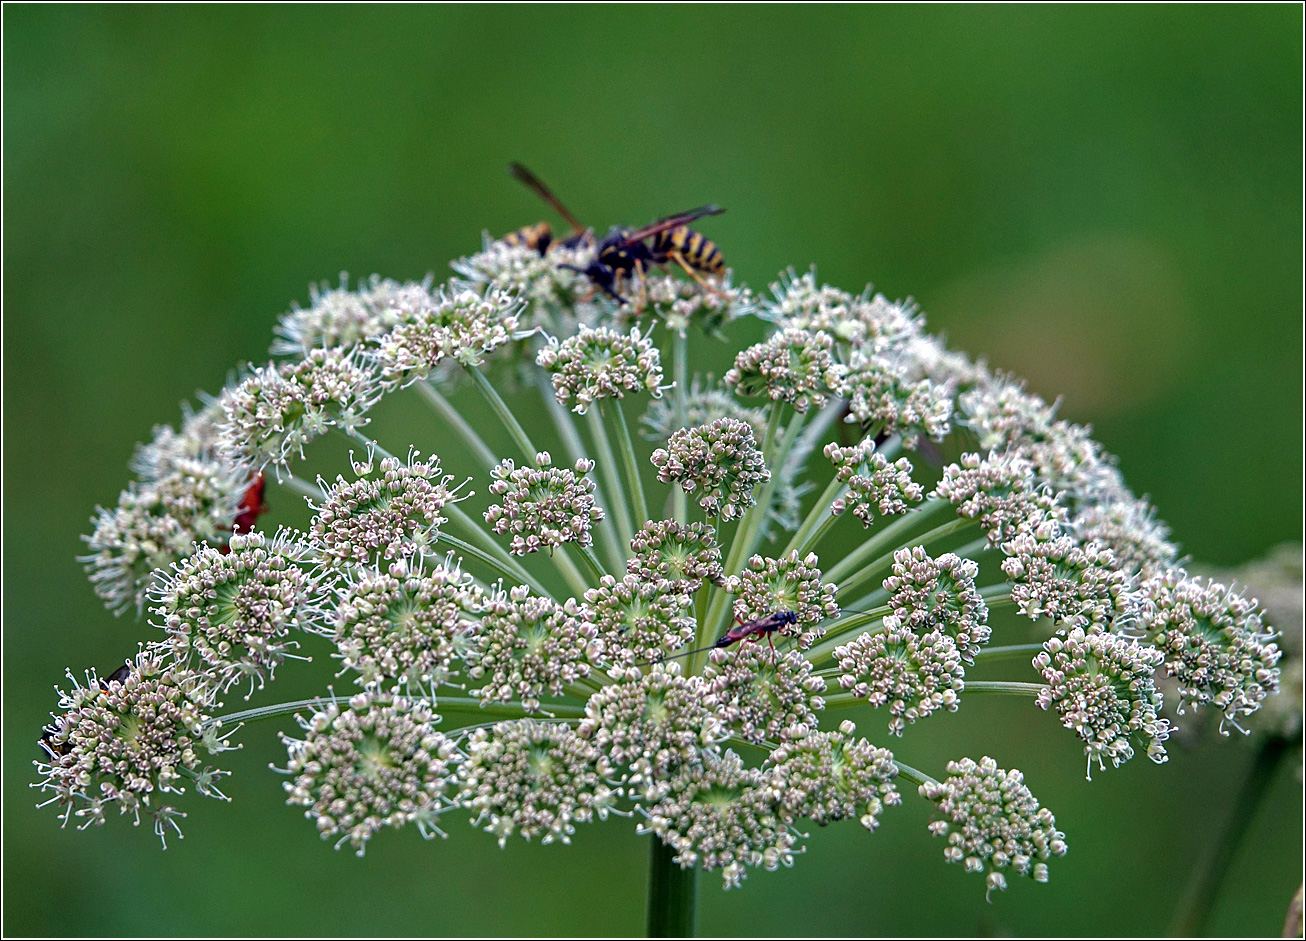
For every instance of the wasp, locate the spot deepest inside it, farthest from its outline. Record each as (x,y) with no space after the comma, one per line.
(624,252)
(540,236)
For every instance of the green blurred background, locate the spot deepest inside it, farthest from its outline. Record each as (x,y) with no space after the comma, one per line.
(1104,200)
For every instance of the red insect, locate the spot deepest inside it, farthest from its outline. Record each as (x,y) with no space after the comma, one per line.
(251,505)
(250,509)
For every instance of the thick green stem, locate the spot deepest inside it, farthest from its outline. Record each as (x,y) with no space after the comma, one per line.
(591,560)
(680,370)
(672,894)
(505,414)
(891,534)
(975,548)
(839,636)
(679,505)
(449,703)
(1004,687)
(883,562)
(1208,874)
(911,774)
(504,710)
(575,580)
(819,518)
(450,414)
(607,462)
(1002,653)
(630,461)
(303,487)
(494,550)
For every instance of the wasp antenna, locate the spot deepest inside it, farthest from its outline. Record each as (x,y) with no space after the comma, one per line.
(676,656)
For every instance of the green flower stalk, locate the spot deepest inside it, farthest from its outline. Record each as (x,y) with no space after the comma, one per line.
(662,626)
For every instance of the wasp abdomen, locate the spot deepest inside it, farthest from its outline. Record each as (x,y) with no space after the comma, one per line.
(699,252)
(537,236)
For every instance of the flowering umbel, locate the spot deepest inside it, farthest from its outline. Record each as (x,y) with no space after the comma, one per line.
(678,631)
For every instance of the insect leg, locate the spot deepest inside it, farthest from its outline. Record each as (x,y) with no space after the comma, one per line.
(643,288)
(680,260)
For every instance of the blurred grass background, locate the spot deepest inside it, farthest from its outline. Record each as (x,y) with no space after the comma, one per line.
(1104,200)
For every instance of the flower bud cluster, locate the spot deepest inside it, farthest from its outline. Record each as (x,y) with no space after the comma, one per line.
(196,440)
(880,396)
(339,317)
(534,779)
(1053,576)
(543,506)
(528,647)
(721,459)
(457,323)
(875,484)
(129,742)
(939,594)
(867,323)
(374,762)
(927,357)
(1129,528)
(648,723)
(382,517)
(600,364)
(831,776)
(158,522)
(762,692)
(679,303)
(717,814)
(677,558)
(913,674)
(1101,685)
(279,408)
(993,823)
(406,627)
(1001,492)
(233,613)
(546,283)
(639,621)
(1214,643)
(794,366)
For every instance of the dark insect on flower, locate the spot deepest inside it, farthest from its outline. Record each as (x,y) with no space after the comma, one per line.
(540,235)
(624,252)
(742,630)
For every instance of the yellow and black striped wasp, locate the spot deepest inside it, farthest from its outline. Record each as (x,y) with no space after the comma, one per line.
(540,235)
(626,252)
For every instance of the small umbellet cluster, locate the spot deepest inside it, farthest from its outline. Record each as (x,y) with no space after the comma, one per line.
(679,625)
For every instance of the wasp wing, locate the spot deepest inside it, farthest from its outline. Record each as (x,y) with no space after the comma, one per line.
(530,179)
(671,222)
